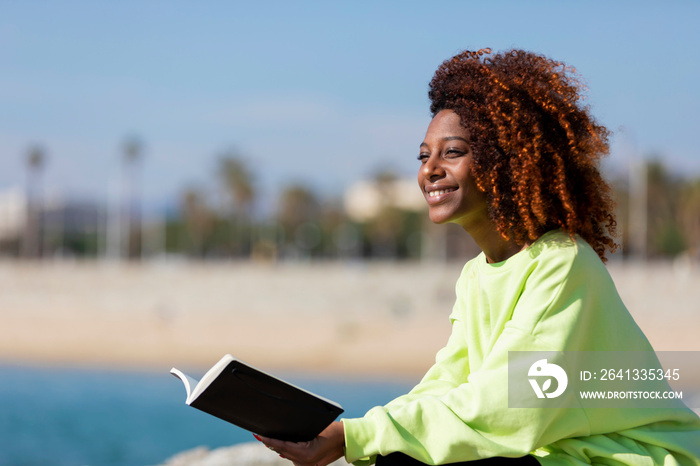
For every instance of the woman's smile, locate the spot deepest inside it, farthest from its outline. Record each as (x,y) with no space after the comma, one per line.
(436,194)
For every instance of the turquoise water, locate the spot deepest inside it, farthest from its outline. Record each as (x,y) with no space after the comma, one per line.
(80,417)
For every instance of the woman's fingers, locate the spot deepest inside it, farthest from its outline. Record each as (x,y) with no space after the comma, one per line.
(288,450)
(300,454)
(321,451)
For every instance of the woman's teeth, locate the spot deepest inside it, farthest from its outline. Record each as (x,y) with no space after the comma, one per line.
(439,192)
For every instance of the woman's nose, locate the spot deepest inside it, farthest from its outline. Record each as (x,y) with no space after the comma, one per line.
(432,168)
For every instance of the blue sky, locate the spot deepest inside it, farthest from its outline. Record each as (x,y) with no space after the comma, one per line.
(323,93)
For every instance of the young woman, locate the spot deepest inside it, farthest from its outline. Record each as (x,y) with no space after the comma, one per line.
(511,155)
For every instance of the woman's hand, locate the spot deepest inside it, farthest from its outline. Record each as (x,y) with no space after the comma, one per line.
(322,450)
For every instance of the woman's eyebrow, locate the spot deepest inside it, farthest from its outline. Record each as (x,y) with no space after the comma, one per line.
(452,138)
(447,138)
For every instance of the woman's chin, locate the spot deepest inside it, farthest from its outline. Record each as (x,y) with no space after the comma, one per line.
(438,218)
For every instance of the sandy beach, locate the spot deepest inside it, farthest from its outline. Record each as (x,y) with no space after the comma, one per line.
(359,319)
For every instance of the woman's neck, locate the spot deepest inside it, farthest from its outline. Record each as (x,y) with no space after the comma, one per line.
(495,247)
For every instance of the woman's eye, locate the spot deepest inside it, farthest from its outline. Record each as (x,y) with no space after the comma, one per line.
(454,153)
(423,157)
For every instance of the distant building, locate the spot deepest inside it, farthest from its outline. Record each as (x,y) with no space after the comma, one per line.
(62,227)
(366,199)
(13,214)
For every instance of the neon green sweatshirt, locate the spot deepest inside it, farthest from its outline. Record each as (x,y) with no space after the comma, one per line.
(556,295)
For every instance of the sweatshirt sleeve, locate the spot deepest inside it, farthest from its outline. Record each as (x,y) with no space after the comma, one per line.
(468,421)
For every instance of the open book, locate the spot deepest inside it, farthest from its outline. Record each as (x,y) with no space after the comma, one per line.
(258,402)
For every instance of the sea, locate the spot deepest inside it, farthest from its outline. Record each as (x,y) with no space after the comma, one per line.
(77,417)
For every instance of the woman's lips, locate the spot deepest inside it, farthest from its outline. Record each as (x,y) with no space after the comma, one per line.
(434,196)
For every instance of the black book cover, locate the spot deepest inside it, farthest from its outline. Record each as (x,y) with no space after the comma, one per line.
(265,405)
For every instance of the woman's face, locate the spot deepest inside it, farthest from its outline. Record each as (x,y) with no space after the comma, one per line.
(445,176)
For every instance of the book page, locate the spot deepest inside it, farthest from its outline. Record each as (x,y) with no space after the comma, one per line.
(189,382)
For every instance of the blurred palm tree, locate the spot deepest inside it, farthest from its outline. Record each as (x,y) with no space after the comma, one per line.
(199,221)
(623,202)
(689,213)
(663,201)
(341,238)
(131,202)
(36,160)
(238,181)
(298,214)
(239,185)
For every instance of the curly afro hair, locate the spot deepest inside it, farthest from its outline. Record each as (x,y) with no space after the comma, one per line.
(536,148)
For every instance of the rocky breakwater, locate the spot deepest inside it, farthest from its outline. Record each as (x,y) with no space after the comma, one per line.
(246,454)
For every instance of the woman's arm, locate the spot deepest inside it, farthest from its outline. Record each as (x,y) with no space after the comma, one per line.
(469,422)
